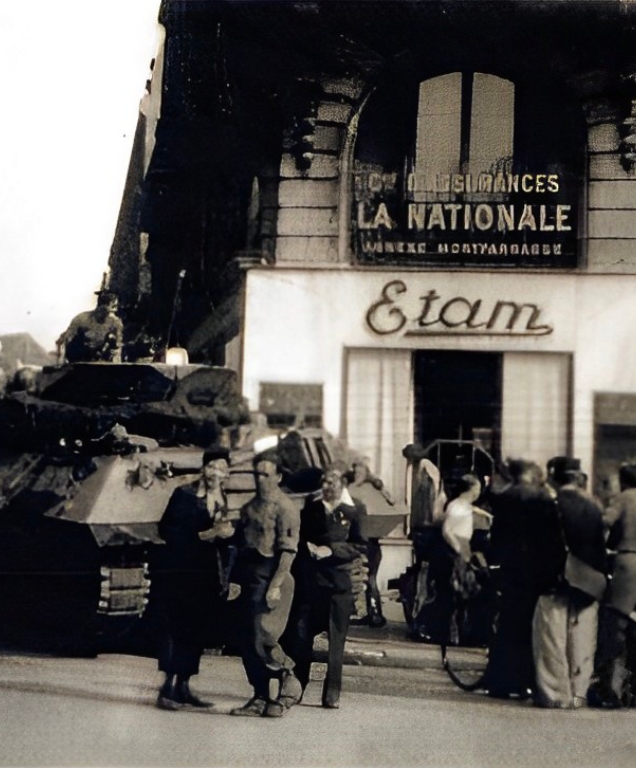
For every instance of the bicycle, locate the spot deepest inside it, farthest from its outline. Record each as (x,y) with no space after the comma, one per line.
(471,629)
(466,631)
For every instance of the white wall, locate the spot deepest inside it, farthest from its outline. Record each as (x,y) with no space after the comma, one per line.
(298,322)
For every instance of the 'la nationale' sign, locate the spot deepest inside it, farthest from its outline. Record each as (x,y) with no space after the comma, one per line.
(504,219)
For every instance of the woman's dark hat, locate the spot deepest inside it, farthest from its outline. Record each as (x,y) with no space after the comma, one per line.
(215,452)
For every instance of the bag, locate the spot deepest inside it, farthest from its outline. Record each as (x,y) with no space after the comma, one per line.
(579,575)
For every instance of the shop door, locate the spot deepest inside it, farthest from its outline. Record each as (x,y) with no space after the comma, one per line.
(458,397)
(514,404)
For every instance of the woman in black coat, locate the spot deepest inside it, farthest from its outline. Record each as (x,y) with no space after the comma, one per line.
(191,576)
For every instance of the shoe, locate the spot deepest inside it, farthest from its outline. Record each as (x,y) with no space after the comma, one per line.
(330,696)
(331,699)
(163,702)
(291,691)
(255,707)
(520,694)
(194,702)
(274,709)
(189,701)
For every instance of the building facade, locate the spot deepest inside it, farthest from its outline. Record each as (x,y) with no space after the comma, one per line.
(402,221)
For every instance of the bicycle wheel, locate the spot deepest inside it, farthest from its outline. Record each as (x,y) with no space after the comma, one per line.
(466,667)
(464,660)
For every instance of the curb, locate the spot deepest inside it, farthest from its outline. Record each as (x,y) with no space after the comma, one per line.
(429,658)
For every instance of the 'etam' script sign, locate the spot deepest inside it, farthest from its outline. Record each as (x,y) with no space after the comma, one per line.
(394,312)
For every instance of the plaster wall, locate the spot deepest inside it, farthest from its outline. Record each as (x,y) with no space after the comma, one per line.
(298,323)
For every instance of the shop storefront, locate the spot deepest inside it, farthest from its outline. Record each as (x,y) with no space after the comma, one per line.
(528,389)
(452,288)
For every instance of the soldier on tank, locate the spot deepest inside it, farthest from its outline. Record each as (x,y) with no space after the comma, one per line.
(93,336)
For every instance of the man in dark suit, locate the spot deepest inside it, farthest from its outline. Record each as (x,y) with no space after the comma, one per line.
(327,571)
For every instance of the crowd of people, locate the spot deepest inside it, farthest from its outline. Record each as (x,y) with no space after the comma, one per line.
(565,607)
(564,569)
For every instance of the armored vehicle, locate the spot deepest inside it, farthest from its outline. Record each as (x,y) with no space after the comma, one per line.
(89,455)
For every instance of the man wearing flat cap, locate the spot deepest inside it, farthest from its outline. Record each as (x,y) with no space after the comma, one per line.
(190,576)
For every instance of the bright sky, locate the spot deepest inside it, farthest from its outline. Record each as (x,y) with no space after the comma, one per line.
(72,73)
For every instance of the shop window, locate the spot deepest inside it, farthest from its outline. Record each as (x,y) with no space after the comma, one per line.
(536,412)
(291,405)
(378,411)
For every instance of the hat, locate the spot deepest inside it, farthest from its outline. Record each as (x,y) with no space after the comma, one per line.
(104,297)
(559,464)
(215,452)
(563,468)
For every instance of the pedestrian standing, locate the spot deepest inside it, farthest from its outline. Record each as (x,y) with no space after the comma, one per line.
(524,529)
(615,665)
(565,620)
(190,576)
(267,539)
(327,571)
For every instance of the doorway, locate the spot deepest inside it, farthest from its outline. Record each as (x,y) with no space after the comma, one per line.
(458,396)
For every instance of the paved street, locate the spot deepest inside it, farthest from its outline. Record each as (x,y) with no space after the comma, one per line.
(99,712)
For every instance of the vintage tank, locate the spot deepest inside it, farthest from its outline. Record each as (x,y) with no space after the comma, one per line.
(89,455)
